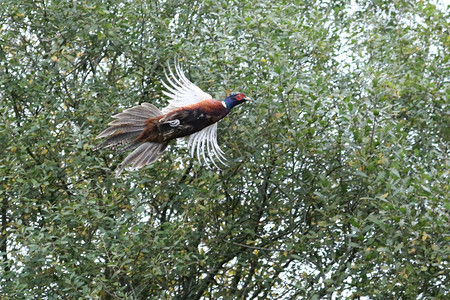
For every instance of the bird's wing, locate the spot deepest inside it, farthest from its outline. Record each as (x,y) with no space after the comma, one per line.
(204,145)
(180,90)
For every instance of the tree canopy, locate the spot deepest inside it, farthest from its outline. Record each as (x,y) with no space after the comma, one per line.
(337,177)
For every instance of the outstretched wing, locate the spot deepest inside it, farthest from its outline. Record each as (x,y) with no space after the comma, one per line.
(204,145)
(180,90)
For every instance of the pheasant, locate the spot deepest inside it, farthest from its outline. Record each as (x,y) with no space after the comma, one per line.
(191,113)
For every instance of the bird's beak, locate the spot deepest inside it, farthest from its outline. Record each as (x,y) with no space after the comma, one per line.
(247,98)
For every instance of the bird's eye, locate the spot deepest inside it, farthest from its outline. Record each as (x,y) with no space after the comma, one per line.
(239,97)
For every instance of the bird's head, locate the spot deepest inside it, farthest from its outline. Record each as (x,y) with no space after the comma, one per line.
(235,99)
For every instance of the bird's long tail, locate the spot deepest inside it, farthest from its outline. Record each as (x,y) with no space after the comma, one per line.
(122,134)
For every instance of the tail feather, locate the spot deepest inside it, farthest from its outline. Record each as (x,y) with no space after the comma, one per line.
(119,129)
(119,139)
(128,147)
(152,109)
(143,155)
(137,163)
(149,156)
(127,121)
(143,110)
(125,130)
(124,116)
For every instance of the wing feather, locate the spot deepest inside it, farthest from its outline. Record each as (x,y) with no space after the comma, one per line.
(180,90)
(203,144)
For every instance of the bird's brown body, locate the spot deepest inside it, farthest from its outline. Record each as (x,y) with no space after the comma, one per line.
(192,118)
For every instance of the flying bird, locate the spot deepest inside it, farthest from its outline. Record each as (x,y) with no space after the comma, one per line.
(191,113)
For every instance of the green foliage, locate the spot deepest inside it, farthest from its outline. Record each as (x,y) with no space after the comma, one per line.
(337,184)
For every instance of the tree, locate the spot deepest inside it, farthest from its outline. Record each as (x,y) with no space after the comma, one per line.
(336,184)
